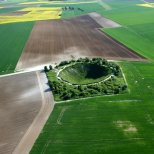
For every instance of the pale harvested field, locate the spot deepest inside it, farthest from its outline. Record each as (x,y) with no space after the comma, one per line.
(55,40)
(20,102)
(104,22)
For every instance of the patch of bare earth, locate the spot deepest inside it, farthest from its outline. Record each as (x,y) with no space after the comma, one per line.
(127,127)
(20,102)
(55,40)
(104,22)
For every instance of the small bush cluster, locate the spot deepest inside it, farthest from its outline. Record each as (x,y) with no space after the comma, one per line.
(46,69)
(69,8)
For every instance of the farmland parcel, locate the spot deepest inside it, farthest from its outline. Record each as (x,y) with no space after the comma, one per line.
(113,124)
(19,105)
(56,40)
(12,41)
(110,125)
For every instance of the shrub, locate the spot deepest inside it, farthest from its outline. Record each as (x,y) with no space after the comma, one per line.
(64,63)
(46,69)
(124,87)
(116,91)
(50,67)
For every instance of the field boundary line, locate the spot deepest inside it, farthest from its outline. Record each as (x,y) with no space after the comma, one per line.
(131,100)
(22,53)
(85,98)
(27,70)
(104,5)
(61,115)
(141,58)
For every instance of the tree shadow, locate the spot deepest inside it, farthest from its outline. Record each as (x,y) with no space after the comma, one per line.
(48,90)
(42,71)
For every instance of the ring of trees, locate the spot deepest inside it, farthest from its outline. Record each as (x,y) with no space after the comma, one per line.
(87,72)
(85,78)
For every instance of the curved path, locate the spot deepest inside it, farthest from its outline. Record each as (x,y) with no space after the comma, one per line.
(94,83)
(20,103)
(34,130)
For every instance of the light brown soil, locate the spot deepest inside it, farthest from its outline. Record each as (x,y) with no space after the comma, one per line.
(56,40)
(20,102)
(29,138)
(25,105)
(104,22)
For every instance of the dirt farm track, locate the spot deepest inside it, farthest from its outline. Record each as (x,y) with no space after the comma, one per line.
(24,108)
(55,40)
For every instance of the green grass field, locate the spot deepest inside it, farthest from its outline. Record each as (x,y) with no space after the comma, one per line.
(12,41)
(119,124)
(139,40)
(7,10)
(137,22)
(87,8)
(112,124)
(8,2)
(137,31)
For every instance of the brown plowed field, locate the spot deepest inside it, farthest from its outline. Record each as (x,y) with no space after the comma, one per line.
(20,102)
(55,40)
(37,125)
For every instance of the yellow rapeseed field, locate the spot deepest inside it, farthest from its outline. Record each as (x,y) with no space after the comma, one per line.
(56,2)
(151,5)
(33,14)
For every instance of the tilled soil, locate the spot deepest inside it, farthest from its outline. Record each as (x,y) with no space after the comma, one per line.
(55,40)
(20,102)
